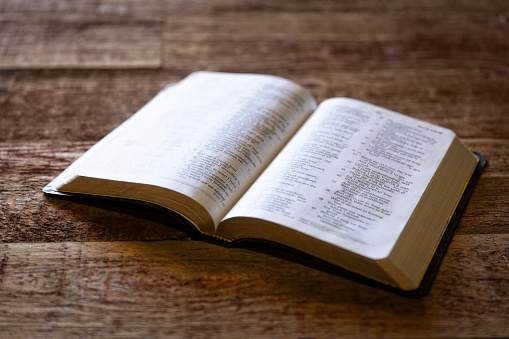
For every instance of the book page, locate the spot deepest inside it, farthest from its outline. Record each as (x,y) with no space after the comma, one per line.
(207,137)
(351,176)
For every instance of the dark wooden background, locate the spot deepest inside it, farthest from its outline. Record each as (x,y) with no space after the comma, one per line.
(71,71)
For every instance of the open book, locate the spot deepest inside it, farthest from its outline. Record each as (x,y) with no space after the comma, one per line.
(244,156)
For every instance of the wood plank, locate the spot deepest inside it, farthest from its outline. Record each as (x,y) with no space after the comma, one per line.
(414,52)
(361,25)
(68,42)
(74,106)
(364,40)
(180,287)
(86,105)
(218,6)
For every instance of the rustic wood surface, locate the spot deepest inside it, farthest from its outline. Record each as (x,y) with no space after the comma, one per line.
(71,71)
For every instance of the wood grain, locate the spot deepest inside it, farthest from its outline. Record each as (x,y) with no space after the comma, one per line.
(28,43)
(71,71)
(339,40)
(97,287)
(140,7)
(86,105)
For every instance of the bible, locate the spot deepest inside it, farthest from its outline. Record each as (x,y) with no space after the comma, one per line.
(253,157)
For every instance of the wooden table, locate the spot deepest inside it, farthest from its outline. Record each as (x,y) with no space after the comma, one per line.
(71,71)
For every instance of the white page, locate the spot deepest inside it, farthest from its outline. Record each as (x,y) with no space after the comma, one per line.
(351,176)
(207,137)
